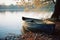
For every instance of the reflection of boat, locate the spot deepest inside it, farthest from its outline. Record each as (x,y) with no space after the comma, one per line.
(36,25)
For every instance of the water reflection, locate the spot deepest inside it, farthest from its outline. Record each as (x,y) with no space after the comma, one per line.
(10,23)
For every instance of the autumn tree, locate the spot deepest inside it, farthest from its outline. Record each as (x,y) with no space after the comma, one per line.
(56,13)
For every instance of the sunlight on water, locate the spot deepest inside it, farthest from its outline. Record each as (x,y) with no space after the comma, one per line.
(11,22)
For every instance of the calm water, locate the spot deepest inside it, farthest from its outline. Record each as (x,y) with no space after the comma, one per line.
(11,22)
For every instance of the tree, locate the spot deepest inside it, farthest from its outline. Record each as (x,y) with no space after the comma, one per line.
(54,1)
(56,13)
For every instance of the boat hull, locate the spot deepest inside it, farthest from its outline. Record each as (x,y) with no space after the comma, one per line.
(39,27)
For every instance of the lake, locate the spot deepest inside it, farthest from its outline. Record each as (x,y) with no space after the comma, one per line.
(11,22)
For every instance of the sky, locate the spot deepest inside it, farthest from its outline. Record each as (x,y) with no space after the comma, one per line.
(8,2)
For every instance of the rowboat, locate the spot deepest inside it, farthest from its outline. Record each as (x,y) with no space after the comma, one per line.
(38,25)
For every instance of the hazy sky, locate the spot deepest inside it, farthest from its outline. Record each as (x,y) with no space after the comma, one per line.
(8,2)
